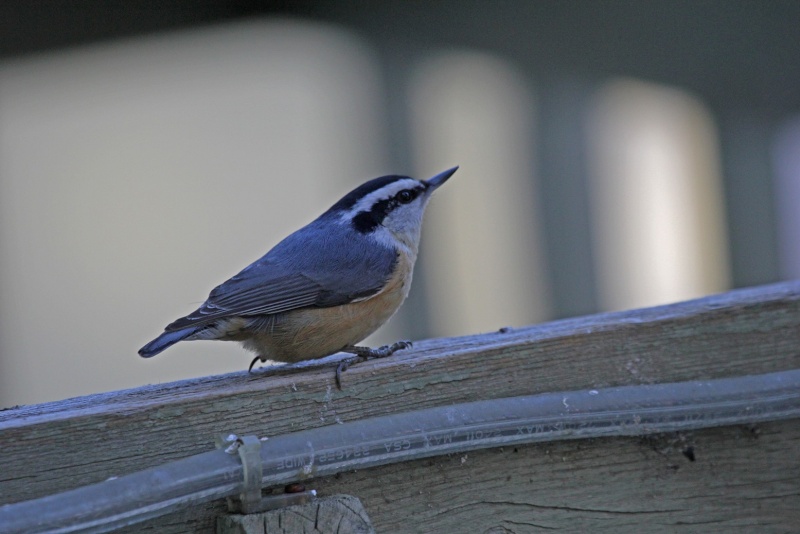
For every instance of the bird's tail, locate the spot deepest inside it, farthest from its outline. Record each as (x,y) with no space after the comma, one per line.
(165,340)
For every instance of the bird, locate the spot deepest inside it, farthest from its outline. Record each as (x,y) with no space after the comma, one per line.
(325,287)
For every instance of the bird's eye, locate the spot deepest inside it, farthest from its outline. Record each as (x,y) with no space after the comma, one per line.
(405,196)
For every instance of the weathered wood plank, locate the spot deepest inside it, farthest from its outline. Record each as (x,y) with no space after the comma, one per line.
(740,481)
(56,446)
(338,514)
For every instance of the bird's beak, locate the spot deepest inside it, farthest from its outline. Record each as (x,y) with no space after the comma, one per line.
(440,178)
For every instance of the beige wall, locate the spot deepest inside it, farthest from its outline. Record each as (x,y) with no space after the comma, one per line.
(137,175)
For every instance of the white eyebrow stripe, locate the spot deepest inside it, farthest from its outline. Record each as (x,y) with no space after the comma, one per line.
(385,192)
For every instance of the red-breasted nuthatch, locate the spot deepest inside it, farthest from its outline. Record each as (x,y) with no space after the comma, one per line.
(325,287)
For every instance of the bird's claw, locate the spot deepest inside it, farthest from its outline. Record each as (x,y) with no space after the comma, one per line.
(249,369)
(342,367)
(388,350)
(366,353)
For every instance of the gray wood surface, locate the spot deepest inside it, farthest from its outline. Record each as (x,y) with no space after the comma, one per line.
(338,514)
(741,477)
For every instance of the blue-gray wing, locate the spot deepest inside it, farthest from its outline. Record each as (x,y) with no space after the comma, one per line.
(310,268)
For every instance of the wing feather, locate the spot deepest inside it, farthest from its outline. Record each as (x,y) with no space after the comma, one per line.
(291,276)
(272,295)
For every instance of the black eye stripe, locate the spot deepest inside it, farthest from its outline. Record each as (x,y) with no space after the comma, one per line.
(351,198)
(366,221)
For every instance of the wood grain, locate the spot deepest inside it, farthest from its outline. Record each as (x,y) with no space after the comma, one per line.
(337,514)
(602,485)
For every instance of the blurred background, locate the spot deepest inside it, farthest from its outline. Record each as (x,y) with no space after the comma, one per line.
(613,155)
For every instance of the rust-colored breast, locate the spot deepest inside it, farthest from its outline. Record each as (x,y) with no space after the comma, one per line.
(310,333)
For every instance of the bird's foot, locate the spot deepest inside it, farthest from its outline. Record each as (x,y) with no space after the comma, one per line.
(381,352)
(366,353)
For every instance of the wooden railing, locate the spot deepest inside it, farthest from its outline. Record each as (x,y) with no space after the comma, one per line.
(720,479)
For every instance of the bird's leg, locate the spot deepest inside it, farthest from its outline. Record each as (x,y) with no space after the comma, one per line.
(366,353)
